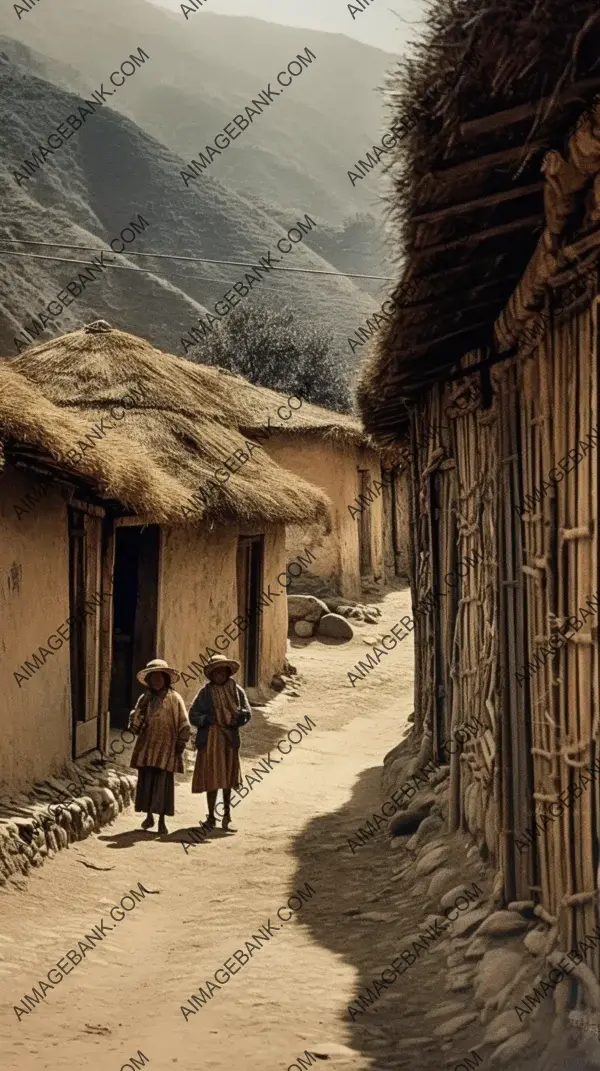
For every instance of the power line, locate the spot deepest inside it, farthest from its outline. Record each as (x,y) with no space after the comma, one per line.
(173,256)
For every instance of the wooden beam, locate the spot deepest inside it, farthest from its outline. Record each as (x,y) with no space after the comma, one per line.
(443,314)
(494,261)
(424,346)
(478,236)
(459,293)
(486,162)
(480,202)
(497,120)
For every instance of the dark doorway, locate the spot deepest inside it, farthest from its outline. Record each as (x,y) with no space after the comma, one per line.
(249,576)
(135,615)
(364,524)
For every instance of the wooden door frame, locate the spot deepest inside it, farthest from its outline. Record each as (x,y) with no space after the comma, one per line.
(87,650)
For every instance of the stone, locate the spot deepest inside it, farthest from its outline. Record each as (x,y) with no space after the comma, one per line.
(477,948)
(524,907)
(503,924)
(467,923)
(459,983)
(441,880)
(444,1010)
(497,968)
(500,1028)
(277,683)
(535,941)
(449,899)
(455,959)
(370,619)
(401,825)
(305,607)
(506,1052)
(303,628)
(455,1025)
(335,626)
(429,825)
(430,860)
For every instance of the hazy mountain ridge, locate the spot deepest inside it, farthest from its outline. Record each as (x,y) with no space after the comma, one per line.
(111,170)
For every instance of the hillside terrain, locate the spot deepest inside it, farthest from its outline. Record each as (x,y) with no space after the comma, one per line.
(127,159)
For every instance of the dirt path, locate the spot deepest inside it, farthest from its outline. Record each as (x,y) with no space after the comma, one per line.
(292,995)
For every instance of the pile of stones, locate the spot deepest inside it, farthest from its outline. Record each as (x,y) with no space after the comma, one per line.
(309,616)
(354,610)
(33,830)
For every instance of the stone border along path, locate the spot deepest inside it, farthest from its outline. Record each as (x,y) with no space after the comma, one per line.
(30,833)
(496,953)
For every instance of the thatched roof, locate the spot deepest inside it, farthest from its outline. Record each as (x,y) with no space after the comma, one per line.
(33,427)
(174,424)
(251,408)
(490,88)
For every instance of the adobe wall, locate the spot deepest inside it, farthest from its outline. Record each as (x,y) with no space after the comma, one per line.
(35,729)
(333,468)
(197,596)
(197,600)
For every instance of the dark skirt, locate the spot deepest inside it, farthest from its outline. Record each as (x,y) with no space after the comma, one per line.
(155,792)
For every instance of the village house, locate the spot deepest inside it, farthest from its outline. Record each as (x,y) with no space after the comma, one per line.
(496,199)
(369,536)
(109,559)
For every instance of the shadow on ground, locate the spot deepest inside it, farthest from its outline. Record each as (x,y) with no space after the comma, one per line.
(348,889)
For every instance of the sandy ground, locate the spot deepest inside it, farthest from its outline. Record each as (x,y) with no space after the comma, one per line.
(292,995)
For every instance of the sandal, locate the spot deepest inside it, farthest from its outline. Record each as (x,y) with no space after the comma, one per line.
(210,821)
(148,823)
(226,824)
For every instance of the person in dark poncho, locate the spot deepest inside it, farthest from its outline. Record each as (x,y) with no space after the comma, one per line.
(218,711)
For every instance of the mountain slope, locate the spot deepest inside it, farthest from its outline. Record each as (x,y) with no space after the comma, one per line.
(90,188)
(205,70)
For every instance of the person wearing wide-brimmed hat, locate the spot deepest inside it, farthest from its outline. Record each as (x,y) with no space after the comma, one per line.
(160,722)
(218,711)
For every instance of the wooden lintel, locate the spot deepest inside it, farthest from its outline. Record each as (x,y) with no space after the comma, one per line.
(497,120)
(478,236)
(480,202)
(486,162)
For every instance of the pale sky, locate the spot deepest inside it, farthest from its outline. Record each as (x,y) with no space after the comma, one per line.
(384,24)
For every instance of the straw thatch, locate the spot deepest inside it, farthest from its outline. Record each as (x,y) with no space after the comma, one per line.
(29,419)
(251,408)
(489,90)
(178,424)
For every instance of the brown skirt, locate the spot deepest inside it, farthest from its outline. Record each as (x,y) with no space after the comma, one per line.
(217,765)
(155,792)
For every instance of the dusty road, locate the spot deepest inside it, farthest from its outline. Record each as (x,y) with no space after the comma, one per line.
(292,994)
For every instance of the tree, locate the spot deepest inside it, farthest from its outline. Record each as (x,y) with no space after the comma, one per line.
(272,349)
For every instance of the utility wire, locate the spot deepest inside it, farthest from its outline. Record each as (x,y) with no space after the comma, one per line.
(173,256)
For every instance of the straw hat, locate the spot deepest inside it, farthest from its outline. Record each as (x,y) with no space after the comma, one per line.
(220,662)
(157,665)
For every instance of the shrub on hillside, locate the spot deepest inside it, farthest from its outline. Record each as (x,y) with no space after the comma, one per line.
(273,349)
